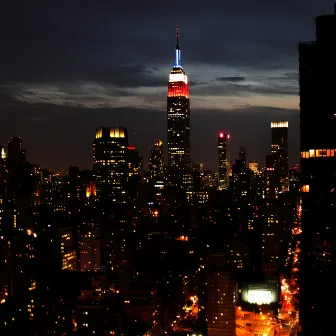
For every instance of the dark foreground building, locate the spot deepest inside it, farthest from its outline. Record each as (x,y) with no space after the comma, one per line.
(318,184)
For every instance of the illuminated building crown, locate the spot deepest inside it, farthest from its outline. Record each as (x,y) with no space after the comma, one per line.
(178,80)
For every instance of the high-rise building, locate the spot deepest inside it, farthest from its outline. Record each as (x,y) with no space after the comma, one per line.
(178,123)
(135,165)
(3,229)
(16,154)
(156,164)
(280,153)
(223,160)
(3,192)
(110,164)
(242,155)
(318,179)
(90,254)
(254,166)
(221,313)
(68,251)
(271,226)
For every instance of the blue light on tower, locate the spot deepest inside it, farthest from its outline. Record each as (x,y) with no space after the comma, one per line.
(177,63)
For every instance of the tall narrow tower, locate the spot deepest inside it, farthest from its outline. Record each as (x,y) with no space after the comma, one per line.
(178,122)
(280,153)
(223,160)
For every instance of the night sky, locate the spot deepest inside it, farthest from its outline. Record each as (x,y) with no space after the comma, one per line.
(67,67)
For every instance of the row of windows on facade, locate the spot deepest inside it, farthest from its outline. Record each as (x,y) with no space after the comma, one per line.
(315,153)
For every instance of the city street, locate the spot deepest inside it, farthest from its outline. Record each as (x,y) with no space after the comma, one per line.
(260,325)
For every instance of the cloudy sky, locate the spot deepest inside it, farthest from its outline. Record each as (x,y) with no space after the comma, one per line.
(69,66)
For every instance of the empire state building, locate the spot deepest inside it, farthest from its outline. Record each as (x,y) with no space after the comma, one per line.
(178,123)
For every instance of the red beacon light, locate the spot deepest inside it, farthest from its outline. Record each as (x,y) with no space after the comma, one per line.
(222,135)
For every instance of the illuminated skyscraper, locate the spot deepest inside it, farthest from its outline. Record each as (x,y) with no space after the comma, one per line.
(178,122)
(280,153)
(134,165)
(254,166)
(318,179)
(110,164)
(156,164)
(223,160)
(271,226)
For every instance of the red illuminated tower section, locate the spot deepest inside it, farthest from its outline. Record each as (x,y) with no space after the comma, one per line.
(178,123)
(223,160)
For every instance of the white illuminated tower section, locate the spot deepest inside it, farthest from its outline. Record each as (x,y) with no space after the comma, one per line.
(178,122)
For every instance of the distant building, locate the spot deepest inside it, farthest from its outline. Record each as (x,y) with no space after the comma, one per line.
(135,164)
(156,165)
(223,140)
(110,164)
(221,313)
(242,155)
(280,153)
(271,224)
(68,252)
(90,254)
(254,166)
(16,154)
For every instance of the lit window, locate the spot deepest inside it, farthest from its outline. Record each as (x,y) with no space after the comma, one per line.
(305,188)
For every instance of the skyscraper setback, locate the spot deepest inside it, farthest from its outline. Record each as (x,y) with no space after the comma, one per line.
(280,153)
(178,121)
(318,180)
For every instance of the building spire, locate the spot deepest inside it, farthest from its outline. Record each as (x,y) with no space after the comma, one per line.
(177,63)
(177,36)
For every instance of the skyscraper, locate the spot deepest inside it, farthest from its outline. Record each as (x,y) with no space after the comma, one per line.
(280,153)
(16,154)
(271,226)
(156,164)
(135,163)
(254,166)
(178,122)
(318,180)
(110,164)
(242,155)
(223,160)
(221,313)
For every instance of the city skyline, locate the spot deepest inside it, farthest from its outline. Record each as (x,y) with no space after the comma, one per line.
(60,80)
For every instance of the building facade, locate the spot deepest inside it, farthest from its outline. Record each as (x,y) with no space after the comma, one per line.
(223,160)
(156,164)
(110,164)
(318,179)
(280,153)
(178,123)
(221,313)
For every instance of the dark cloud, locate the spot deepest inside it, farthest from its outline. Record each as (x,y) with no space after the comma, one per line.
(234,89)
(70,55)
(62,40)
(234,79)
